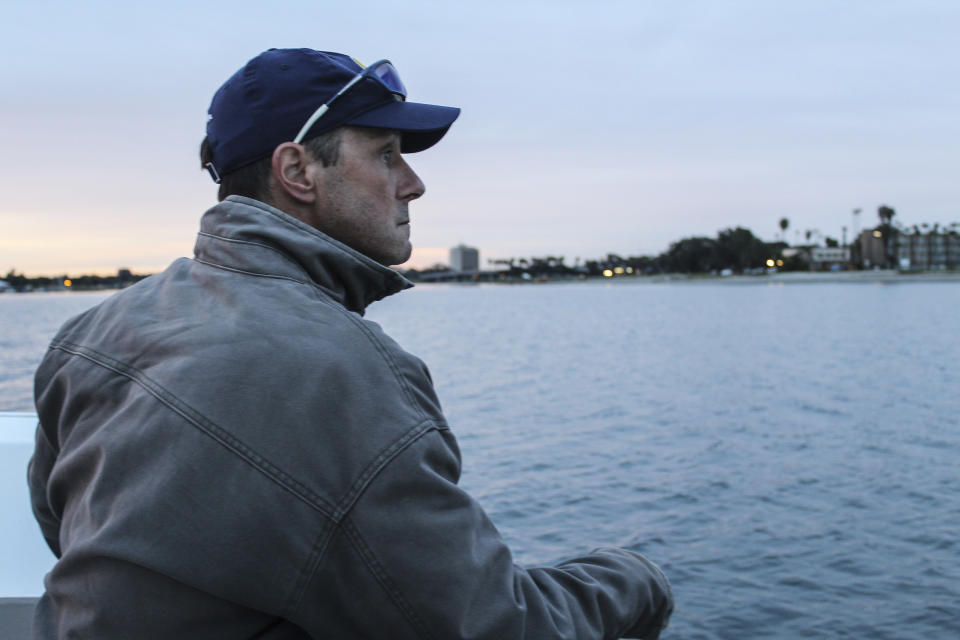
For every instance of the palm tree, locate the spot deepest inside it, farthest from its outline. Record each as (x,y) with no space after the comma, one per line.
(885,213)
(784,223)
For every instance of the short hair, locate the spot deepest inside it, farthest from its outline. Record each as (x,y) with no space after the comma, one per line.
(253,180)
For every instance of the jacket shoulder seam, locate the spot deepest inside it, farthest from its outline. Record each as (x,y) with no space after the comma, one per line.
(309,568)
(373,565)
(386,455)
(409,435)
(385,354)
(346,505)
(203,424)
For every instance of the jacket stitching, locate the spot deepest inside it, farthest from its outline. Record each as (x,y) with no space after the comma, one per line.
(256,274)
(308,569)
(357,322)
(283,255)
(385,354)
(379,573)
(249,273)
(202,423)
(371,471)
(409,435)
(334,513)
(394,368)
(382,460)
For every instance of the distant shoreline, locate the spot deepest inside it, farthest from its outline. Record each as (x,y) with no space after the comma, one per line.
(879,276)
(876,276)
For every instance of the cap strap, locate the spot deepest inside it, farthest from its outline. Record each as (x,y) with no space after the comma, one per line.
(213,172)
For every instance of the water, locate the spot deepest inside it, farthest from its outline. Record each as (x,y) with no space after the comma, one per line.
(27,323)
(787,453)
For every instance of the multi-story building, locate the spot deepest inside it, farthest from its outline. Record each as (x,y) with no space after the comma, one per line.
(464,258)
(930,250)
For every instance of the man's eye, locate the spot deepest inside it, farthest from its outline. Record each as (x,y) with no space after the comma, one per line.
(387,156)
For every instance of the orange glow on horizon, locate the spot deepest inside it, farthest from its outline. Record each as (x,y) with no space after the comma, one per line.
(426,257)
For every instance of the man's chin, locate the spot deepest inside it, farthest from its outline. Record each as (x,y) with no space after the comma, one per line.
(399,257)
(406,256)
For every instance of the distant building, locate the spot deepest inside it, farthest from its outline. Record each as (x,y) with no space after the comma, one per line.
(909,248)
(464,258)
(829,258)
(873,248)
(931,250)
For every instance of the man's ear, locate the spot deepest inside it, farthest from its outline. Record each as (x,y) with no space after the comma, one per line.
(291,177)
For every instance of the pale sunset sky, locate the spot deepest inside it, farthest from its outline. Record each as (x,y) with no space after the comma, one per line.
(587,127)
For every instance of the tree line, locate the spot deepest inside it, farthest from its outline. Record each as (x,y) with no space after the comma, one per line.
(21,282)
(735,249)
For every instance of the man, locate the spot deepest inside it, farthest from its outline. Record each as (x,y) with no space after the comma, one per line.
(229,450)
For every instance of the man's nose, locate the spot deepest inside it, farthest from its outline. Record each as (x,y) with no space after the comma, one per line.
(411,186)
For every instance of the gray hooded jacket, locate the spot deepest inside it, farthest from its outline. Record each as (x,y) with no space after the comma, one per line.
(229,450)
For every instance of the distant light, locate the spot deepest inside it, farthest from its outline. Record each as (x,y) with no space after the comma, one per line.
(877,234)
(607,273)
(771,262)
(779,263)
(68,283)
(629,269)
(618,271)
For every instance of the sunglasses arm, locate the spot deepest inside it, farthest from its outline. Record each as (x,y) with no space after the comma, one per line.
(324,108)
(309,123)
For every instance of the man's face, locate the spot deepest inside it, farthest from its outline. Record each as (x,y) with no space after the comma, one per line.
(362,201)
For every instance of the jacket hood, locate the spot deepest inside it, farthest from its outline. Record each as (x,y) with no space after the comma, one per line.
(247,235)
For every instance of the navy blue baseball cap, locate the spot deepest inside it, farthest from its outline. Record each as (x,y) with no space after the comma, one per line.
(277,96)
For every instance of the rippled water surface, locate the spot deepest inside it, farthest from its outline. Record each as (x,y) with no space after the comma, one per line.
(27,323)
(787,453)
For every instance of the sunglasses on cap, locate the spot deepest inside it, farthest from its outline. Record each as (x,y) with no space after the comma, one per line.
(383,71)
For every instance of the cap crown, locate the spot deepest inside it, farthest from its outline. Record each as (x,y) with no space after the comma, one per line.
(268,100)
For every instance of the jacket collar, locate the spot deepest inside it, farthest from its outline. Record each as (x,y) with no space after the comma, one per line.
(250,236)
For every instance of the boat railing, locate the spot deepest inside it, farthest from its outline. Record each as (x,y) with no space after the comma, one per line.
(26,558)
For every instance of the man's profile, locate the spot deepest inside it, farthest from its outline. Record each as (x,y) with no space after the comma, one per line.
(228,449)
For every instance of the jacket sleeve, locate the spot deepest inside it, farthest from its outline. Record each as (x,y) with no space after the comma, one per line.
(416,557)
(38,473)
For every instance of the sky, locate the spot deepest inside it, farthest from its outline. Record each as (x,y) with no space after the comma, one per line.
(587,128)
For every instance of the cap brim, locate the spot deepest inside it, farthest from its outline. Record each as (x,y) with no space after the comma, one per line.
(422,125)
